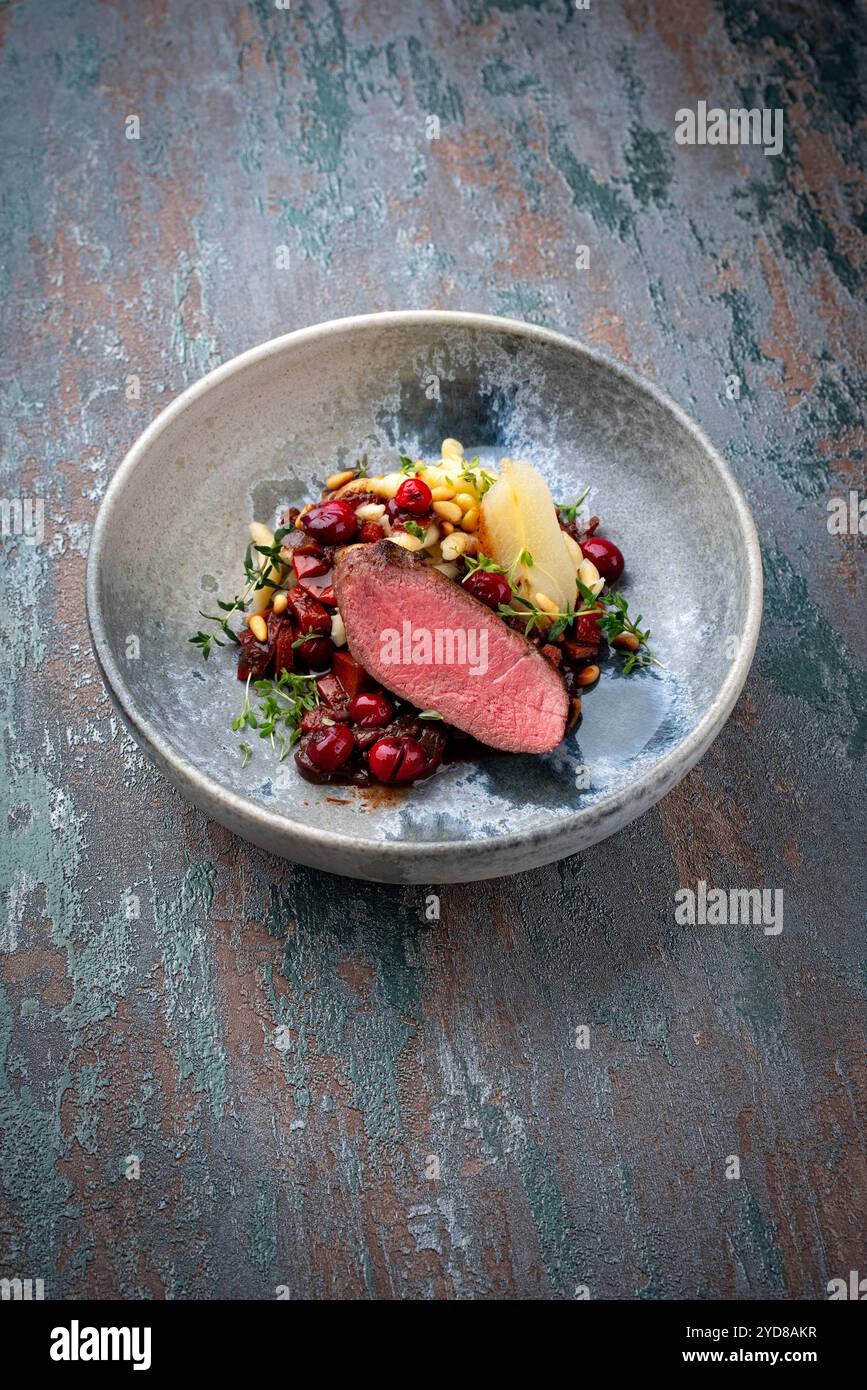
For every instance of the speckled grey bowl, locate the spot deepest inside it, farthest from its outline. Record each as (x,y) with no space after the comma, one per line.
(264,430)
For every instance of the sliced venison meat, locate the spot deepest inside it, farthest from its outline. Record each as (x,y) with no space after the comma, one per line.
(424,637)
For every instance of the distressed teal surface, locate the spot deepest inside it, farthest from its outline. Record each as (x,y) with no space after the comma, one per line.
(290,1057)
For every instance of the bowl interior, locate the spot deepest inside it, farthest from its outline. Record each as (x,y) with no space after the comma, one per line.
(266,435)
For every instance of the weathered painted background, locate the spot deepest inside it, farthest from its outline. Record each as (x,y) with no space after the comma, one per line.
(300,1157)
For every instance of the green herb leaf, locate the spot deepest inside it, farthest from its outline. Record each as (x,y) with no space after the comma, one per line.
(282,705)
(429,714)
(415,530)
(538,617)
(570,510)
(617,620)
(258,576)
(481,562)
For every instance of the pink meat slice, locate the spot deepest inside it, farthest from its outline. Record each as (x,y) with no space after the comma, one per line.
(489,680)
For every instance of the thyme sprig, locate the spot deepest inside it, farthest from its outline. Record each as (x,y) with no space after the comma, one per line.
(537,617)
(614,620)
(612,615)
(259,576)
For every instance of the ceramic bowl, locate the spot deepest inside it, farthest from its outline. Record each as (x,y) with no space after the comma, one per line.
(264,430)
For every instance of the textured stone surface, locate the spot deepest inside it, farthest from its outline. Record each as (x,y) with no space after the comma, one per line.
(284,1051)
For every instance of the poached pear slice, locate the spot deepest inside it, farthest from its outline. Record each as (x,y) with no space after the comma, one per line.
(517,520)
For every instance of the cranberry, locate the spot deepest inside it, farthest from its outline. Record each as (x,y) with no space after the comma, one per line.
(333,522)
(605,555)
(397,514)
(370,711)
(414,497)
(492,588)
(330,748)
(316,653)
(397,759)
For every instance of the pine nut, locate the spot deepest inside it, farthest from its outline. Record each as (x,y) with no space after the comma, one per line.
(447,527)
(470,519)
(626,642)
(339,479)
(546,604)
(465,501)
(259,628)
(588,675)
(280,603)
(454,545)
(261,598)
(449,511)
(338,630)
(442,494)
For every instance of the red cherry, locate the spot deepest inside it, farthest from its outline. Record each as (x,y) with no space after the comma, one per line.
(397,759)
(605,555)
(333,522)
(371,711)
(414,497)
(330,748)
(317,653)
(493,589)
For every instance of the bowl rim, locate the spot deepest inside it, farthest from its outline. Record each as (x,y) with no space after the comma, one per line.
(664,773)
